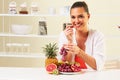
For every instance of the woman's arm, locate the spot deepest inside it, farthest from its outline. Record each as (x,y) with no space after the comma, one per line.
(87,58)
(75,50)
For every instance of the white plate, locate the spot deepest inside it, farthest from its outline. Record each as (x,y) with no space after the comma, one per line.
(70,73)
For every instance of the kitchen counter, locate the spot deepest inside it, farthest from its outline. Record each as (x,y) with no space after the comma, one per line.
(14,73)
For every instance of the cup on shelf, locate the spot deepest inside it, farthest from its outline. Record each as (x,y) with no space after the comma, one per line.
(34,8)
(64,10)
(26,48)
(12,48)
(18,48)
(52,11)
(9,47)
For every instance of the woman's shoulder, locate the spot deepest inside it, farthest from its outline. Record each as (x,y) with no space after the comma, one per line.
(95,32)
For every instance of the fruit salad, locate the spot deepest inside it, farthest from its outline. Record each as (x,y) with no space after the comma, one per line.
(69,67)
(63,67)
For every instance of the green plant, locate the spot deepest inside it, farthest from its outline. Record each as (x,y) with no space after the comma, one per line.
(51,53)
(50,50)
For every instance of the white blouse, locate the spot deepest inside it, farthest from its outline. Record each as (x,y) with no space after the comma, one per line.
(94,46)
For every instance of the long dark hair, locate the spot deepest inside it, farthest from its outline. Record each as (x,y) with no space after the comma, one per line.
(80,4)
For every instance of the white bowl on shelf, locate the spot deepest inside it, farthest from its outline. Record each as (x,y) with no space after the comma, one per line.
(20,29)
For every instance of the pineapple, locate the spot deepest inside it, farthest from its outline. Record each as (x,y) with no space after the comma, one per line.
(51,53)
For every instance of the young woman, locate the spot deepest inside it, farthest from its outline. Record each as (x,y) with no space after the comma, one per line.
(82,44)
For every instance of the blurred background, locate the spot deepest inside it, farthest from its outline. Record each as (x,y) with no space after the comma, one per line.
(21,37)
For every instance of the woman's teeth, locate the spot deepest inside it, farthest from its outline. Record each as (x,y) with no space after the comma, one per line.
(78,25)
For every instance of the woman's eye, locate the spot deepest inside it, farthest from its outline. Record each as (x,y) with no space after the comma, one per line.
(80,16)
(73,17)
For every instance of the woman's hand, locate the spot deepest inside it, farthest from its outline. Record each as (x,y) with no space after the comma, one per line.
(69,33)
(72,48)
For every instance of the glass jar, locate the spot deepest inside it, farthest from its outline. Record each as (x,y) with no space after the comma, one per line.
(34,8)
(12,8)
(23,8)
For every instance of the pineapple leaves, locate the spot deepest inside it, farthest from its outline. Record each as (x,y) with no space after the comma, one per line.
(50,50)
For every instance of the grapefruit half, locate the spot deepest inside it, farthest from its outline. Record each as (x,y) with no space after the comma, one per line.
(51,67)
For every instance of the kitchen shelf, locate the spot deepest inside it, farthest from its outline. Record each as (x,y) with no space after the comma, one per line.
(29,35)
(57,15)
(23,55)
(32,55)
(41,15)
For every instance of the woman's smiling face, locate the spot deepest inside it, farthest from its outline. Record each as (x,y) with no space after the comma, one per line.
(79,18)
